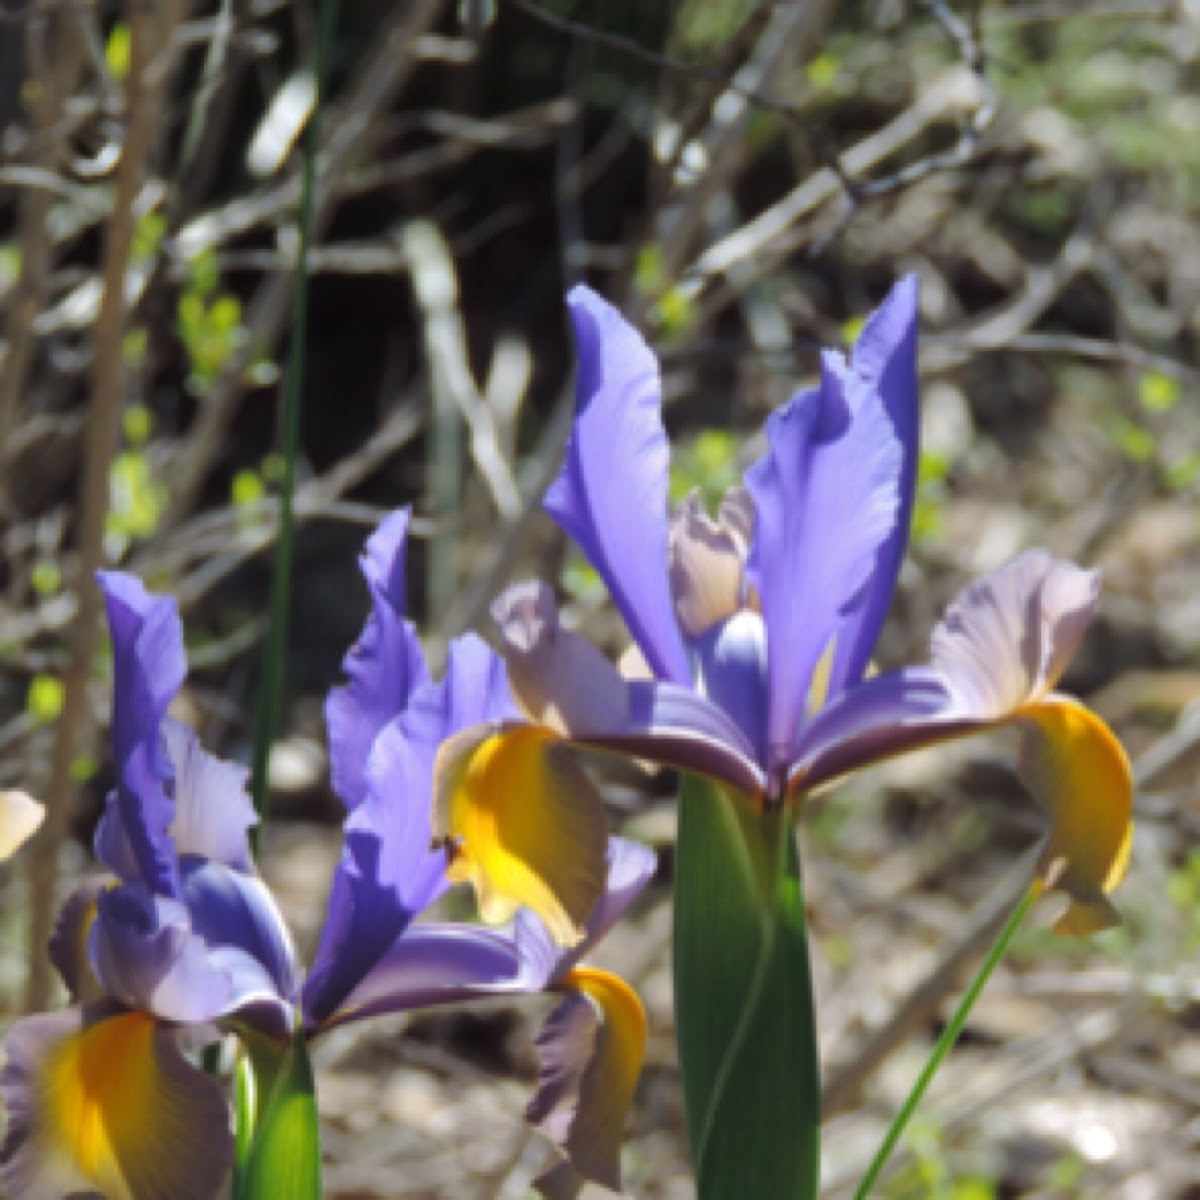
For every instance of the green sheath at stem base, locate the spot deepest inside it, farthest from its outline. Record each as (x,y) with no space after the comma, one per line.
(743,1000)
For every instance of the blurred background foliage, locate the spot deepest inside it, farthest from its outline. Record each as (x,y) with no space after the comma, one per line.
(745,178)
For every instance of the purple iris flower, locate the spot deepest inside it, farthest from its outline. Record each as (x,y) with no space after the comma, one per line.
(189,937)
(753,628)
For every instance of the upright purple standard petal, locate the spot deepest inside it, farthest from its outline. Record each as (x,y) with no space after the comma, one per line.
(611,495)
(149,666)
(384,666)
(885,356)
(825,496)
(389,871)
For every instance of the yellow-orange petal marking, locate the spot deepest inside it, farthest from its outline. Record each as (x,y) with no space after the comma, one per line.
(622,1045)
(591,1052)
(524,825)
(113,1103)
(1074,765)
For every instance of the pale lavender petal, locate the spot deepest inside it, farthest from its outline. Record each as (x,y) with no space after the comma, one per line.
(213,809)
(432,965)
(674,727)
(825,500)
(611,495)
(883,716)
(149,666)
(885,356)
(544,962)
(559,678)
(1008,637)
(384,666)
(1003,643)
(389,871)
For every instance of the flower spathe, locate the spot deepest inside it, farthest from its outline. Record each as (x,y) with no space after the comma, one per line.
(188,936)
(753,631)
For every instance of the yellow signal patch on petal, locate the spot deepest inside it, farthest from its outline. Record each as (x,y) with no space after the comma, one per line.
(1074,764)
(120,1104)
(591,1051)
(619,1059)
(524,825)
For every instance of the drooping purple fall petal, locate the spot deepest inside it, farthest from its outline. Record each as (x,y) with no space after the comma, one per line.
(438,963)
(433,964)
(1000,649)
(677,728)
(592,1044)
(882,717)
(566,684)
(109,1105)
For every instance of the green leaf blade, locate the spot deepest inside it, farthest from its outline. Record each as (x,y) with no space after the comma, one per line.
(743,996)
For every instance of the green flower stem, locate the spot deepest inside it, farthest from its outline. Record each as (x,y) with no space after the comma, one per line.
(946,1041)
(260,1060)
(245,1113)
(281,1155)
(271,690)
(743,1000)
